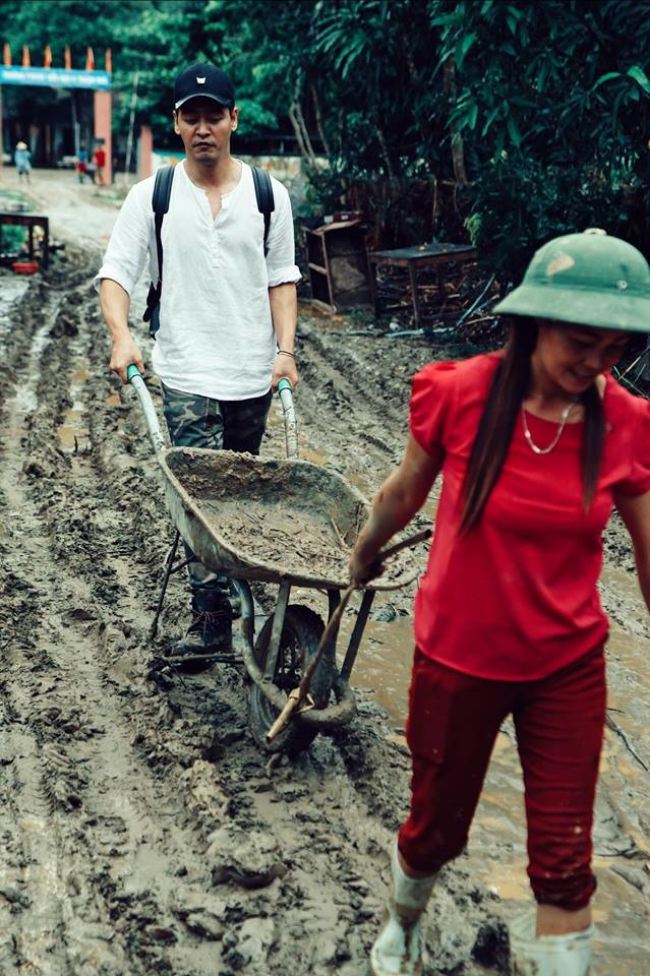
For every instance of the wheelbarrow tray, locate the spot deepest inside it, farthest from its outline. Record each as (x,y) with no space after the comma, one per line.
(269,520)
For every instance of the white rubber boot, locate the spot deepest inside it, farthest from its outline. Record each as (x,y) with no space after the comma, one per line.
(397,950)
(548,955)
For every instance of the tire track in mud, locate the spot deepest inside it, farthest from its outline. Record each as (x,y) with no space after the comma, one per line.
(58,792)
(52,781)
(26,810)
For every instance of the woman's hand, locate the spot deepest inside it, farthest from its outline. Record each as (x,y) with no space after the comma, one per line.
(363,570)
(402,495)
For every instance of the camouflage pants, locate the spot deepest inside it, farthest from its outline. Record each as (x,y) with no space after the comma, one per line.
(231,425)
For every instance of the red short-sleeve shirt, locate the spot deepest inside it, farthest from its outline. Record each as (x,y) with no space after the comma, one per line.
(516,597)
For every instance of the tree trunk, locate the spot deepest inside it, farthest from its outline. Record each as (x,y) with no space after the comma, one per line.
(302,136)
(384,146)
(457,150)
(319,119)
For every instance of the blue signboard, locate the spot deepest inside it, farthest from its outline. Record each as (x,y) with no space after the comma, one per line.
(54,77)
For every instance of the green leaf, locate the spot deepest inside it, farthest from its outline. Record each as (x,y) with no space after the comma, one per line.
(443,20)
(640,77)
(513,131)
(463,48)
(513,16)
(490,119)
(607,77)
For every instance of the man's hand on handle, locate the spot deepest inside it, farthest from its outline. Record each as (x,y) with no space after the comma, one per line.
(124,352)
(284,366)
(115,309)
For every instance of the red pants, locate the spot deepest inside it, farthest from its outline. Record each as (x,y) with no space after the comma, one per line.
(453,722)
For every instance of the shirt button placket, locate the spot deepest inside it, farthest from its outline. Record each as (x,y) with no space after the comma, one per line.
(215,244)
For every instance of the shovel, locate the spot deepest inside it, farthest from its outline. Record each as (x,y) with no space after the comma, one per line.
(300,695)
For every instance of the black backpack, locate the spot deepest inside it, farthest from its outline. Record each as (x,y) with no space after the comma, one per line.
(162,191)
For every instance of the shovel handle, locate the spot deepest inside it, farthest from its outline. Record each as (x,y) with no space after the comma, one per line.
(298,695)
(412,540)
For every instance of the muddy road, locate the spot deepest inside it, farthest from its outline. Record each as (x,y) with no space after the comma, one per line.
(143,832)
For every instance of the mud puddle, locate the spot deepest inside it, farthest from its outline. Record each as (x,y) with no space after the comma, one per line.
(73,433)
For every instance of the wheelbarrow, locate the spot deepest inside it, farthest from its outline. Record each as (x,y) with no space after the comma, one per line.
(286,522)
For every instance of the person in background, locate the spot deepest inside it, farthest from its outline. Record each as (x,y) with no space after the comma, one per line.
(228,311)
(99,158)
(23,161)
(536,443)
(82,165)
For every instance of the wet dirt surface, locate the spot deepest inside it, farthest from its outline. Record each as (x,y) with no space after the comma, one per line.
(143,830)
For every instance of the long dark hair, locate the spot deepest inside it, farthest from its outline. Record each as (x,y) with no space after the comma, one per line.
(494,434)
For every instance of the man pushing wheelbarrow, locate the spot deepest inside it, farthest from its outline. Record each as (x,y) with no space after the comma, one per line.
(224,319)
(222,308)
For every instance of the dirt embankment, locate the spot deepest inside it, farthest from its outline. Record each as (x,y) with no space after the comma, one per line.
(143,830)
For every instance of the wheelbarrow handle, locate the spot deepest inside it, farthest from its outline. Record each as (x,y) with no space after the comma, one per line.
(285,392)
(134,377)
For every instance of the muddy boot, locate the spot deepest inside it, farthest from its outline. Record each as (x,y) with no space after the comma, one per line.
(548,955)
(397,950)
(209,636)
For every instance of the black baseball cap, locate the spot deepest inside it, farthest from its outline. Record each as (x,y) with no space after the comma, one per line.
(203,81)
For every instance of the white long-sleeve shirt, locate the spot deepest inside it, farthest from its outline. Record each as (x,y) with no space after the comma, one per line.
(216,335)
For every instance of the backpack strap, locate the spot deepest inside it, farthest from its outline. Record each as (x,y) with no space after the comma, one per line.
(265,200)
(162,191)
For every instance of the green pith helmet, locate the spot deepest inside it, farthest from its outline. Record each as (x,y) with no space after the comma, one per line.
(589,279)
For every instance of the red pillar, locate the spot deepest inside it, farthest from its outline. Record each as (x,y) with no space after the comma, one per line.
(145,152)
(103,106)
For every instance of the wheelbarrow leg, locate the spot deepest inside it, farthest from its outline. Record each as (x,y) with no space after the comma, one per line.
(169,569)
(333,600)
(273,651)
(355,638)
(247,612)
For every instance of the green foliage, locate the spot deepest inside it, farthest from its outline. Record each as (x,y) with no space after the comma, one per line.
(521,202)
(76,23)
(506,119)
(552,102)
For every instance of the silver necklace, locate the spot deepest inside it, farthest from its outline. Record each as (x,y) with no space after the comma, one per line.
(535,448)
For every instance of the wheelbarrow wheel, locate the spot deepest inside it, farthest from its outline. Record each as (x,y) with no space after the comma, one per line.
(299,641)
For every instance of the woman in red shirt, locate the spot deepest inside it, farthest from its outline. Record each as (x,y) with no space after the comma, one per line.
(536,444)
